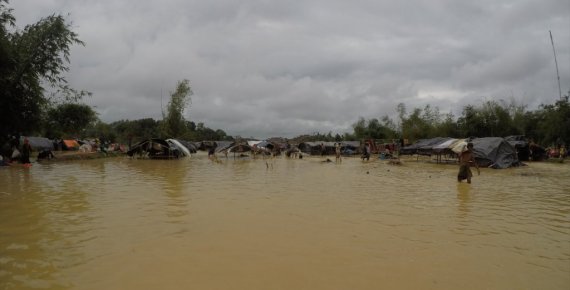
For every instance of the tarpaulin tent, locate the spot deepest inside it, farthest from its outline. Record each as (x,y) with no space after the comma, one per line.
(189,145)
(240,148)
(494,152)
(521,144)
(224,146)
(38,143)
(447,146)
(316,148)
(159,149)
(423,146)
(70,144)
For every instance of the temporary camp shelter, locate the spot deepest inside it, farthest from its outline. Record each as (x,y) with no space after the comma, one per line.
(423,146)
(70,144)
(38,143)
(189,145)
(494,152)
(159,149)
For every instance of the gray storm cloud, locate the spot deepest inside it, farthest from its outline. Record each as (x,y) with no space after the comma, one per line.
(274,68)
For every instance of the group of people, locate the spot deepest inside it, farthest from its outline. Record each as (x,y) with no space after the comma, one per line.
(16,152)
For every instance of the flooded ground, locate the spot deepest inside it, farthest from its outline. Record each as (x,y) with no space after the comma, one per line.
(282,224)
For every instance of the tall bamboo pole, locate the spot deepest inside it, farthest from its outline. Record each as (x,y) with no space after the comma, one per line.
(556,62)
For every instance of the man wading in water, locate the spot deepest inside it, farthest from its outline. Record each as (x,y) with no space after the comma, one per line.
(465,159)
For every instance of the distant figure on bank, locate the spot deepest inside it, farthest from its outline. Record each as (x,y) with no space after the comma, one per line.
(366,153)
(26,151)
(465,159)
(337,152)
(45,154)
(562,152)
(323,149)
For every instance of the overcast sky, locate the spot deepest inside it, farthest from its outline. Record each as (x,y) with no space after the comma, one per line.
(284,68)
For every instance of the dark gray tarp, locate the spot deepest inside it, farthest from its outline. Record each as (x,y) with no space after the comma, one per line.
(38,143)
(315,148)
(494,152)
(423,146)
(224,145)
(521,144)
(189,145)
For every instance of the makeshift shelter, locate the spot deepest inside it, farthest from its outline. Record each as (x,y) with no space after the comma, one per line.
(423,146)
(69,145)
(240,148)
(38,143)
(189,145)
(445,151)
(349,147)
(316,148)
(494,152)
(175,143)
(223,146)
(158,149)
(236,148)
(446,146)
(521,144)
(265,147)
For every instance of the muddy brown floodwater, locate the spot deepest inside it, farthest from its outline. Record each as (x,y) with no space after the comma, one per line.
(282,224)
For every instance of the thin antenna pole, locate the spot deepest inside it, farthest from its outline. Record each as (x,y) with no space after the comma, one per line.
(556,62)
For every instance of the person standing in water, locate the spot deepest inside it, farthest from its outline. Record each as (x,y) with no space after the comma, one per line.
(465,159)
(337,152)
(26,152)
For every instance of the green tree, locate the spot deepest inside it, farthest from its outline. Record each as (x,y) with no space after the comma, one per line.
(70,120)
(136,130)
(174,122)
(373,129)
(448,127)
(491,119)
(103,131)
(29,58)
(415,127)
(555,123)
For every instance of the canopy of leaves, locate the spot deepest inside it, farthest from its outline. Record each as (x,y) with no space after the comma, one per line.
(174,123)
(69,120)
(30,57)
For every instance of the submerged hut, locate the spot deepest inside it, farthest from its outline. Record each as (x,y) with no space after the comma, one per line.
(189,145)
(159,149)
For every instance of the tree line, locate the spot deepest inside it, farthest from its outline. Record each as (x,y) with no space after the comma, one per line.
(549,125)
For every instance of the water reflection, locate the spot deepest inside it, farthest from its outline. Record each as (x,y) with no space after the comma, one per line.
(463,198)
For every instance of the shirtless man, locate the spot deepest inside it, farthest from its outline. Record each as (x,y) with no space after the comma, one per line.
(337,152)
(465,160)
